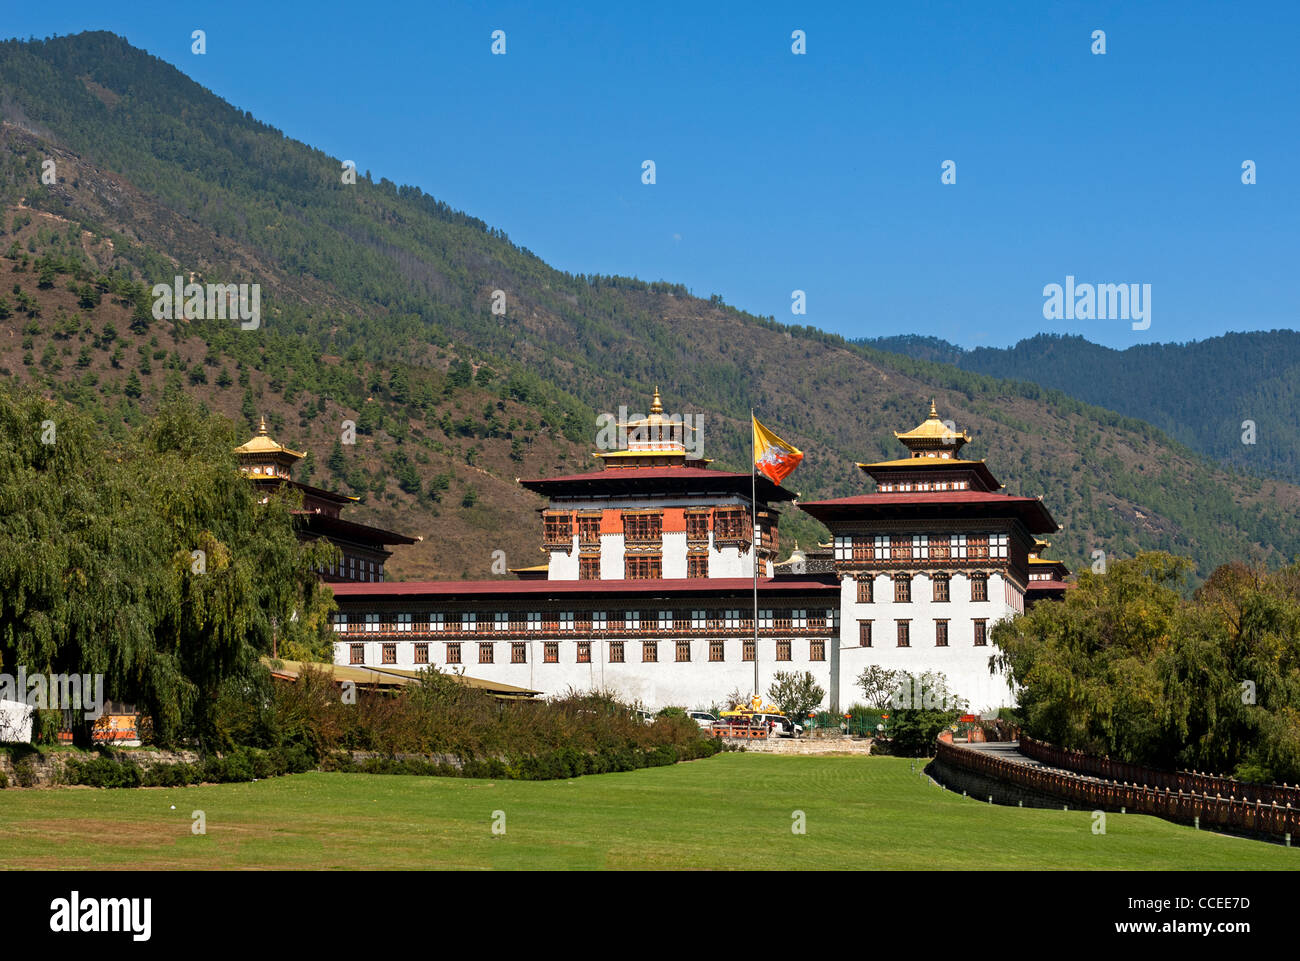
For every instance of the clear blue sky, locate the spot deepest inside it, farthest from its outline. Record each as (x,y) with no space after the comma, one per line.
(820,172)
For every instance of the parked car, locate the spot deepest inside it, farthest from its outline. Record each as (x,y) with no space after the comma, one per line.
(704,719)
(645,716)
(780,725)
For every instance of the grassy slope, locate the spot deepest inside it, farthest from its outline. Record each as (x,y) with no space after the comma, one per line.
(733,811)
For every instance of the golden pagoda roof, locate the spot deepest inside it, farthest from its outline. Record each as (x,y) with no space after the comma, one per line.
(263,444)
(921,462)
(656,417)
(655,452)
(932,433)
(651,438)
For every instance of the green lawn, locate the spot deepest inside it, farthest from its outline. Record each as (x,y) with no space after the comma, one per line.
(731,811)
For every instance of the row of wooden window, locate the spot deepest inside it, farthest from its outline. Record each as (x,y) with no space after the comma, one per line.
(729,523)
(641,567)
(904,632)
(913,547)
(940,583)
(551,652)
(353,568)
(734,619)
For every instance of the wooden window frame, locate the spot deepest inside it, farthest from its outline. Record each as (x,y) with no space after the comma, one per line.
(903,589)
(866,590)
(942,588)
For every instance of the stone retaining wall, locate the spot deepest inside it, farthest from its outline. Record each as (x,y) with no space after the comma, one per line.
(47,767)
(800,745)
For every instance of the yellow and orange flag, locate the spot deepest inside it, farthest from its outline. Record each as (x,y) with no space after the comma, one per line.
(773,458)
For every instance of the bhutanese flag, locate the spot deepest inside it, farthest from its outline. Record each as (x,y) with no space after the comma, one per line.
(773,457)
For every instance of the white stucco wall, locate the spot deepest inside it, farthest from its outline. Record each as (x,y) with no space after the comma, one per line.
(692,684)
(965,665)
(564,567)
(611,557)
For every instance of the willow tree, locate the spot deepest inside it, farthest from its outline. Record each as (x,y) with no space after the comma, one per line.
(1128,665)
(149,561)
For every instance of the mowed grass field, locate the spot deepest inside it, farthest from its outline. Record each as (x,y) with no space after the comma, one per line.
(731,811)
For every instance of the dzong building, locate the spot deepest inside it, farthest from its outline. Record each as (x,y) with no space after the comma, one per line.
(649,592)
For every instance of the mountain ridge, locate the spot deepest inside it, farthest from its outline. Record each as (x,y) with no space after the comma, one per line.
(378,306)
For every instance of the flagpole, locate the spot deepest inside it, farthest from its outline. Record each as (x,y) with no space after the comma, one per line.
(753,507)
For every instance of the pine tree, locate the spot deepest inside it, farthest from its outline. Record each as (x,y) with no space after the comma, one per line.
(337,463)
(248,409)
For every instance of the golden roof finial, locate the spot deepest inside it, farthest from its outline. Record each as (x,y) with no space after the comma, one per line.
(656,405)
(262,429)
(934,414)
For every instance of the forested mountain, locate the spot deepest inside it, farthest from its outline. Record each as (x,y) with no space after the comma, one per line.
(1202,393)
(377,306)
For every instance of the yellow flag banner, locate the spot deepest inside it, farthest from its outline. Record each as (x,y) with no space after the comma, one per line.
(773,458)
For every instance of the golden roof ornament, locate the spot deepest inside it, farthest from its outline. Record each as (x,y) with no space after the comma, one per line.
(932,437)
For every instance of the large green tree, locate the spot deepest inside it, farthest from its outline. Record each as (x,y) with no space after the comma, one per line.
(1129,666)
(149,561)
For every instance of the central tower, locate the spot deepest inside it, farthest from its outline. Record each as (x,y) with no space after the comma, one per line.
(656,511)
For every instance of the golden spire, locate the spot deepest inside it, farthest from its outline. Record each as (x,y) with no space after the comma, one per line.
(656,405)
(933,436)
(261,430)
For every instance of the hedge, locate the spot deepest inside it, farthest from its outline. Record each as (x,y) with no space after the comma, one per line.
(247,764)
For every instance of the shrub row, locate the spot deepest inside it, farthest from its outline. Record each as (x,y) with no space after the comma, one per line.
(566,762)
(244,764)
(247,764)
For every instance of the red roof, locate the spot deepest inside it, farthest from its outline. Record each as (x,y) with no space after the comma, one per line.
(1030,509)
(646,473)
(325,524)
(693,585)
(664,479)
(1050,585)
